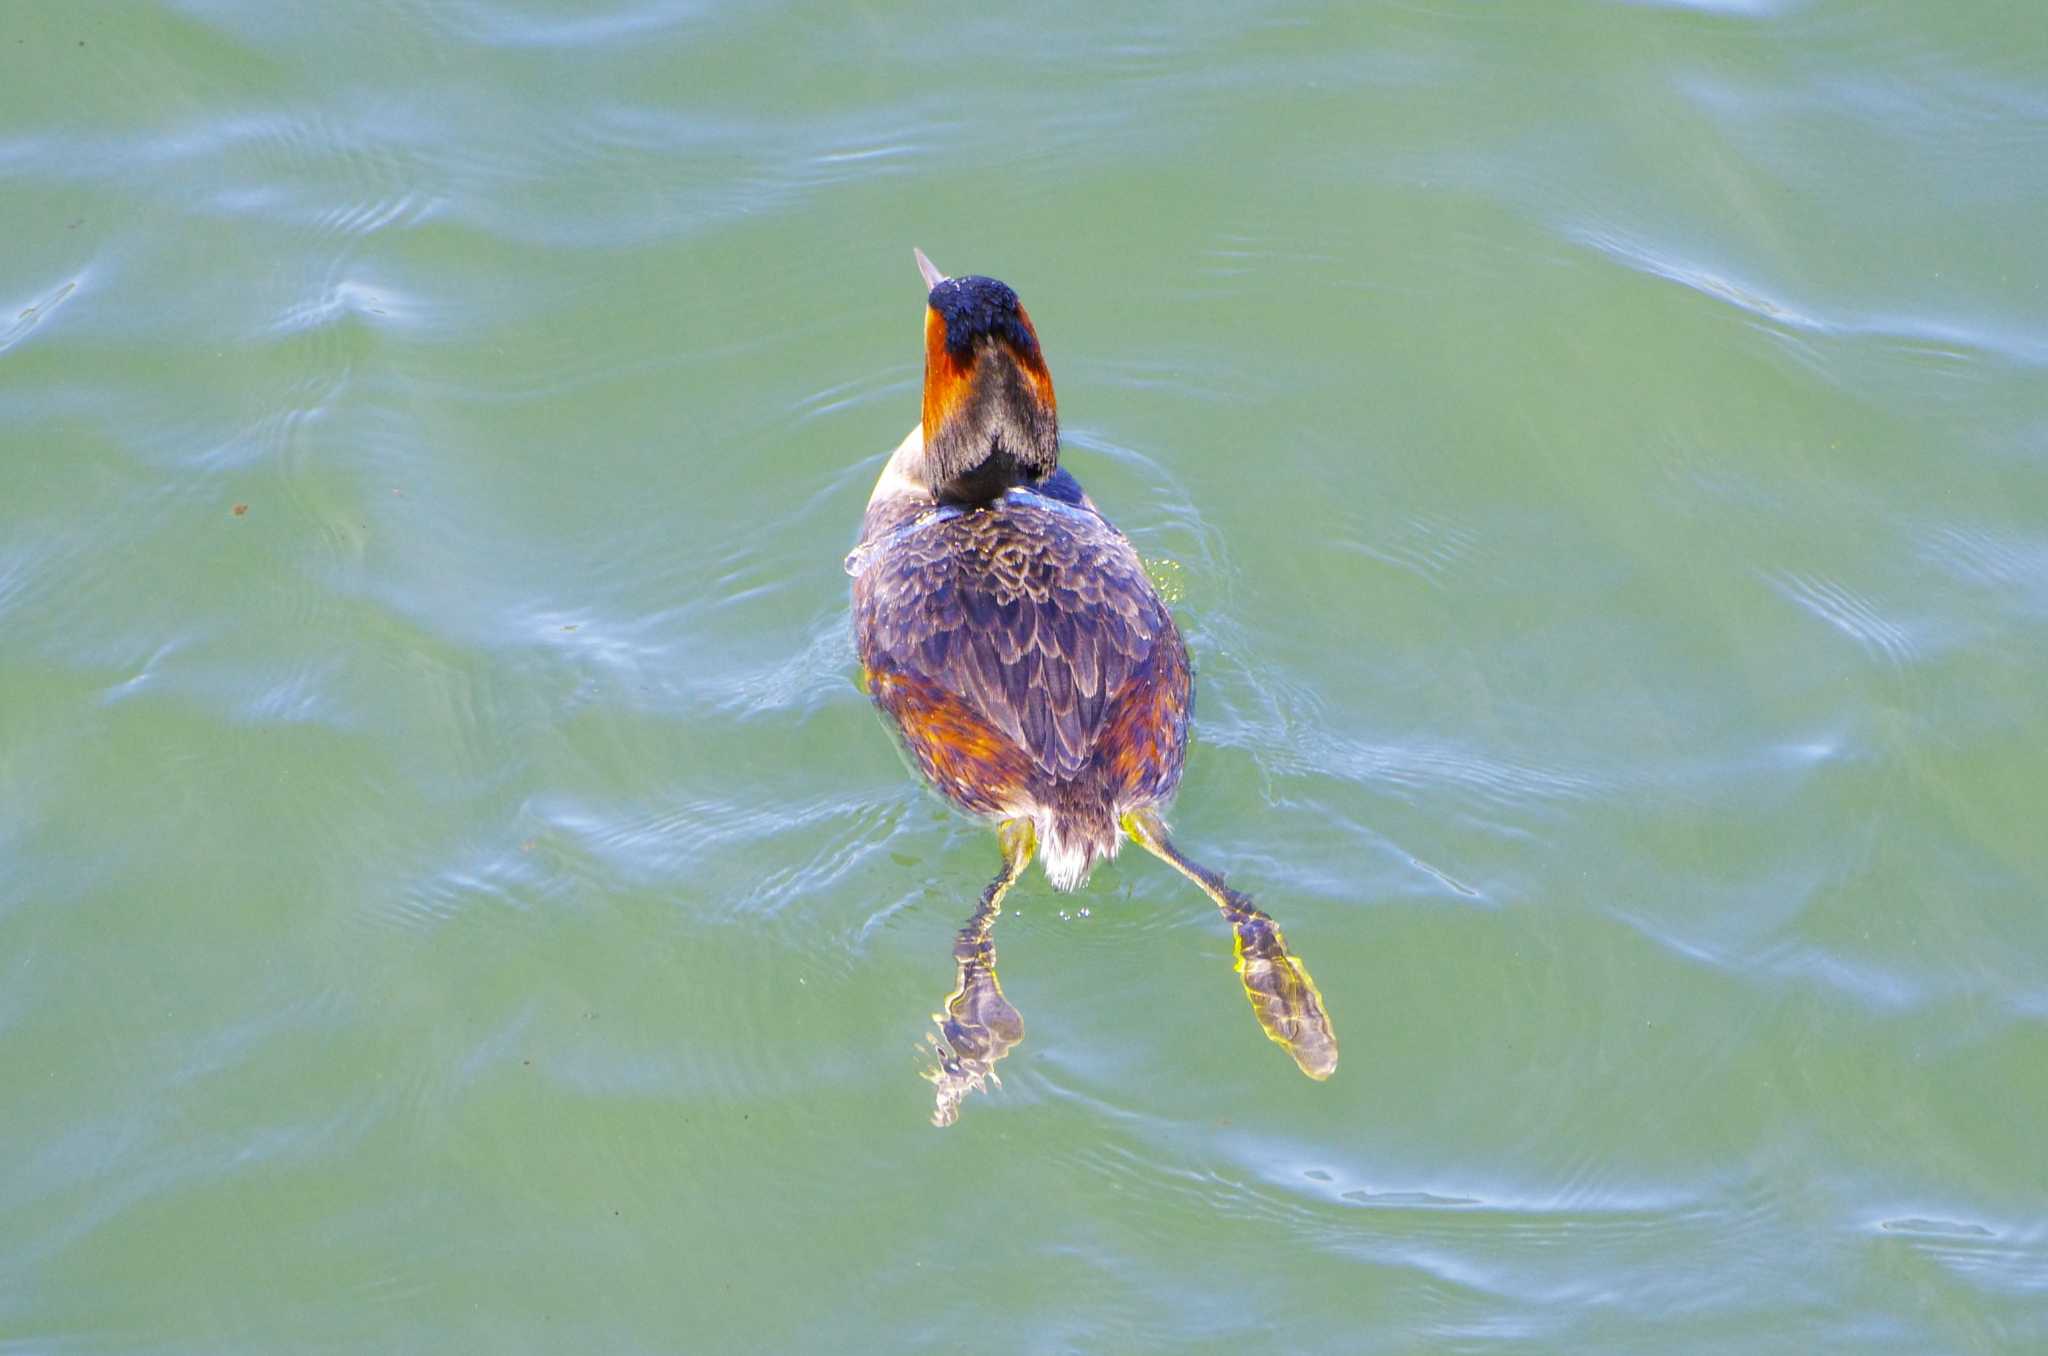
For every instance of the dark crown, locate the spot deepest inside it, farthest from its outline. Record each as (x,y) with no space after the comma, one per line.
(975,307)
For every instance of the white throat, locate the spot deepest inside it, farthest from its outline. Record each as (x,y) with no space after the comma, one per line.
(903,475)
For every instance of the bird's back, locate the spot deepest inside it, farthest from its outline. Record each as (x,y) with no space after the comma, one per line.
(1027,661)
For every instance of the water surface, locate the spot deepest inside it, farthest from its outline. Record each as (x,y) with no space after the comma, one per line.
(454,897)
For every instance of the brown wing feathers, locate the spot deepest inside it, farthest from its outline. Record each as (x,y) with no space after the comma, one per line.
(1022,625)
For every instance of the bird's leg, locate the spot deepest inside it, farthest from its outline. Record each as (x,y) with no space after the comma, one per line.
(1282,994)
(978,1026)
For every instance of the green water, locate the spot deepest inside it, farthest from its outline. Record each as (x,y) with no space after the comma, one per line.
(453,896)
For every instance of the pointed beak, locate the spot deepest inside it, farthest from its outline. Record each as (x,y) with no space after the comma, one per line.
(930,270)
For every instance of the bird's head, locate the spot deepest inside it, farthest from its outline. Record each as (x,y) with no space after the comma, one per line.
(990,421)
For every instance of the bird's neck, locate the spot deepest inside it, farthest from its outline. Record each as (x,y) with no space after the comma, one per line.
(986,480)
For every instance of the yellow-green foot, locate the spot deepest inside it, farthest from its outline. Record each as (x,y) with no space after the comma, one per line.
(978,1026)
(1284,998)
(976,1030)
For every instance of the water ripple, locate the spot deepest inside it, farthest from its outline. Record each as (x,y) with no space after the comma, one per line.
(2006,561)
(1736,9)
(2004,1261)
(654,847)
(36,312)
(497,878)
(1426,546)
(1945,339)
(497,25)
(1787,958)
(1846,611)
(821,671)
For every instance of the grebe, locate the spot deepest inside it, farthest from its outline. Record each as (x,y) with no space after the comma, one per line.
(1014,640)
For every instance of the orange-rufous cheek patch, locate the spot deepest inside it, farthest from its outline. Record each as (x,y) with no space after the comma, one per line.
(946,378)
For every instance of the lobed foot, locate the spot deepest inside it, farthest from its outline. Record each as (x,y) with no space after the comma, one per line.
(976,1030)
(1284,998)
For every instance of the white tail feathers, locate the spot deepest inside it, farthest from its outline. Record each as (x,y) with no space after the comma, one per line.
(1069,847)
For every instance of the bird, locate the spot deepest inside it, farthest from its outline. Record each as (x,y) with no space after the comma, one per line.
(1011,636)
